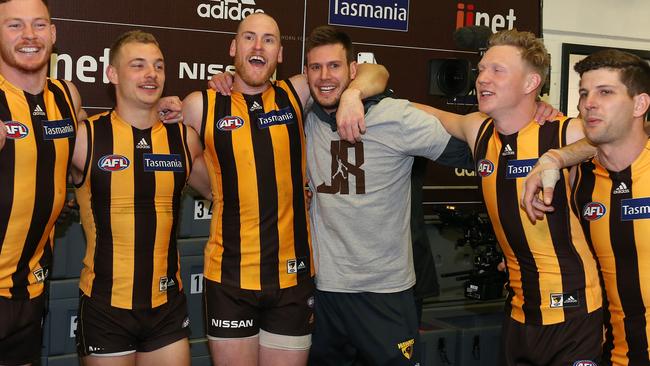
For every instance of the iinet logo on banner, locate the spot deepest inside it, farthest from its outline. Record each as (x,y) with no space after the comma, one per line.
(467,15)
(227,9)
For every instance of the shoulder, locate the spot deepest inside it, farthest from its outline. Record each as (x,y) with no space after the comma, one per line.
(103,116)
(390,106)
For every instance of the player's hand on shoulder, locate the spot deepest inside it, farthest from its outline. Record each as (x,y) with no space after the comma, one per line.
(222,82)
(169,109)
(540,181)
(546,112)
(350,116)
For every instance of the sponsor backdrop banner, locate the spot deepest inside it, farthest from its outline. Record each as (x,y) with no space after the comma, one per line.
(403,35)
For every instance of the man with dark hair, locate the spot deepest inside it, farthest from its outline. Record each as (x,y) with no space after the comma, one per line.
(554,301)
(364,304)
(258,261)
(39,119)
(610,193)
(129,170)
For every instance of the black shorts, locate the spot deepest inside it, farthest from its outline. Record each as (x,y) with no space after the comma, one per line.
(568,343)
(21,330)
(105,329)
(232,312)
(371,328)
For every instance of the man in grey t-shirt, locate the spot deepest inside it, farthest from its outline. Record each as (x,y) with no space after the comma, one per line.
(360,218)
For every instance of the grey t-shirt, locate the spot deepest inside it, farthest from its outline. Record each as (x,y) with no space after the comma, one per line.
(360,212)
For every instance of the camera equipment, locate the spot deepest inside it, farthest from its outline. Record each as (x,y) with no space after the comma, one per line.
(484,281)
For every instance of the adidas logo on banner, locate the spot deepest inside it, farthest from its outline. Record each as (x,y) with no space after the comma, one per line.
(622,188)
(507,150)
(38,111)
(142,144)
(255,107)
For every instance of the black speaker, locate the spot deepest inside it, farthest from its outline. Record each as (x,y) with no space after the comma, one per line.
(449,77)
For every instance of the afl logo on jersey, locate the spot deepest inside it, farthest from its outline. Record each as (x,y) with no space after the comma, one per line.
(593,211)
(16,130)
(584,363)
(230,123)
(485,167)
(113,163)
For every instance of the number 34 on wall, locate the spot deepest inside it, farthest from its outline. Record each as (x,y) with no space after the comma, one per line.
(202,210)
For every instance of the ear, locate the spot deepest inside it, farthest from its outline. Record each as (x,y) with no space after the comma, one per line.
(53,31)
(641,104)
(353,70)
(280,55)
(533,82)
(233,48)
(111,73)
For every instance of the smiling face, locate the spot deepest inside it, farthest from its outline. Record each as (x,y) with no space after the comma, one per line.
(605,106)
(26,36)
(329,74)
(504,80)
(138,74)
(256,50)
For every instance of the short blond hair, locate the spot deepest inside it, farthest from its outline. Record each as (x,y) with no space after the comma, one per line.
(532,49)
(134,36)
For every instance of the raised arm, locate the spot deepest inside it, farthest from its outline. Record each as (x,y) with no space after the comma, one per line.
(463,127)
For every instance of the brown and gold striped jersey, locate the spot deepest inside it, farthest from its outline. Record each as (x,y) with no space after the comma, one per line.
(552,272)
(254,149)
(129,199)
(614,210)
(34,164)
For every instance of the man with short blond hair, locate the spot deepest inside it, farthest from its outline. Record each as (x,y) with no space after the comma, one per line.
(554,300)
(130,170)
(38,123)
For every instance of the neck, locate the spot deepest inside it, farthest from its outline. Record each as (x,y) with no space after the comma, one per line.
(240,86)
(138,117)
(618,155)
(511,120)
(31,82)
(329,110)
